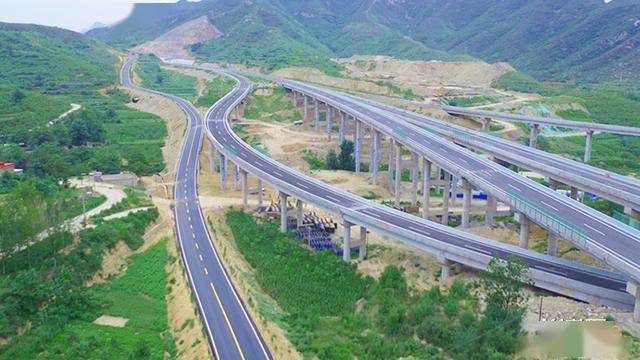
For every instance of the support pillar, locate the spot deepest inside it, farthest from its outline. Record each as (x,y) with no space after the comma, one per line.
(260,195)
(357,145)
(391,166)
(491,210)
(630,212)
(346,242)
(486,123)
(636,307)
(373,163)
(466,203)
(299,213)
(552,245)
(245,188)
(525,225)
(398,169)
(415,160)
(316,114)
(574,193)
(426,187)
(343,121)
(454,191)
(223,172)
(445,273)
(284,216)
(306,107)
(212,158)
(295,99)
(329,111)
(363,243)
(445,199)
(533,137)
(237,178)
(587,146)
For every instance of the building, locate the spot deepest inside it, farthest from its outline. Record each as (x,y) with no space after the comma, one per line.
(122,179)
(7,167)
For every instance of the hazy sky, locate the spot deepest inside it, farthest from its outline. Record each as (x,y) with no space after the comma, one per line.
(76,15)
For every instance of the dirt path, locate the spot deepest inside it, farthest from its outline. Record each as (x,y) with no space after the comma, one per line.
(74,107)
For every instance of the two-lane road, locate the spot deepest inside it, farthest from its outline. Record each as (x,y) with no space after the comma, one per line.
(231,332)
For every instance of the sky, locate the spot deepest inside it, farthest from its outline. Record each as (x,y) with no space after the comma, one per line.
(77,15)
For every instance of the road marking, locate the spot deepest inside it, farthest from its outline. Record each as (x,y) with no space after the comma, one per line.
(477,249)
(200,256)
(374,215)
(334,199)
(544,203)
(226,318)
(419,230)
(513,187)
(302,185)
(193,235)
(206,272)
(187,211)
(594,229)
(552,271)
(197,246)
(189,218)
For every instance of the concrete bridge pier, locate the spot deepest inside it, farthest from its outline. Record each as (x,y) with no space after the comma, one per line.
(486,123)
(357,141)
(552,245)
(363,243)
(284,213)
(445,272)
(223,172)
(426,187)
(415,160)
(630,212)
(634,289)
(574,193)
(343,120)
(245,188)
(295,98)
(329,112)
(236,178)
(525,225)
(533,138)
(212,157)
(375,158)
(306,107)
(466,203)
(260,195)
(346,242)
(492,205)
(588,145)
(316,114)
(391,166)
(445,198)
(398,169)
(299,213)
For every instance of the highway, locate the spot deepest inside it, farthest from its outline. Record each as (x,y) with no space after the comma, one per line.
(549,272)
(611,129)
(623,190)
(230,330)
(603,237)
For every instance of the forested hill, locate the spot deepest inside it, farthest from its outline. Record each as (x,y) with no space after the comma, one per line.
(573,39)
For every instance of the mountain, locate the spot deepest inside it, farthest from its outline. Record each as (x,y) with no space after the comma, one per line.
(96,25)
(587,40)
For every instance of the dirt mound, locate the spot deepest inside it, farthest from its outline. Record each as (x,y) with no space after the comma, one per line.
(418,74)
(172,44)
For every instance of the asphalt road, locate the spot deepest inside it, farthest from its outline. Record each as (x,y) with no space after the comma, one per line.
(607,239)
(231,332)
(601,182)
(221,131)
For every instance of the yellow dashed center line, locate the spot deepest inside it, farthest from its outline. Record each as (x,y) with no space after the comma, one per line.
(224,313)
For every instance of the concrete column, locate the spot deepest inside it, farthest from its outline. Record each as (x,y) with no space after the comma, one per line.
(223,172)
(373,164)
(260,195)
(426,187)
(295,99)
(454,191)
(390,168)
(357,145)
(306,107)
(466,203)
(237,178)
(316,114)
(445,273)
(525,225)
(445,198)
(346,242)
(212,157)
(587,146)
(533,137)
(552,245)
(343,123)
(491,210)
(574,193)
(284,216)
(630,212)
(363,242)
(299,213)
(486,123)
(636,294)
(398,169)
(415,163)
(329,111)
(245,188)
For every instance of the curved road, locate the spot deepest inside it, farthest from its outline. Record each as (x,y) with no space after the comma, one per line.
(230,329)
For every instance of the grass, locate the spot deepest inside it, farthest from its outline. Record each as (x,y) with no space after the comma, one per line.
(467,101)
(270,105)
(155,77)
(135,198)
(218,87)
(137,295)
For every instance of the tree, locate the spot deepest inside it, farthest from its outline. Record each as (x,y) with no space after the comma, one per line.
(46,160)
(346,159)
(332,160)
(17,97)
(13,153)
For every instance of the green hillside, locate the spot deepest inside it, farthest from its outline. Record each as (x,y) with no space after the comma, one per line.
(586,40)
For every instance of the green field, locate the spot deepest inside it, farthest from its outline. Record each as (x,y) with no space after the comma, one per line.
(216,88)
(155,77)
(272,104)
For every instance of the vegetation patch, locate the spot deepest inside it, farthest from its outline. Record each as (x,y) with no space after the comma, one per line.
(215,90)
(155,77)
(270,105)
